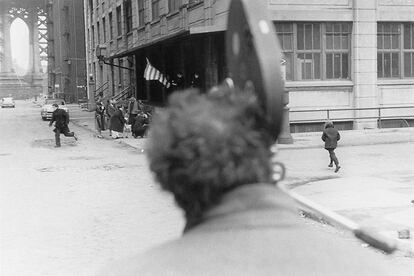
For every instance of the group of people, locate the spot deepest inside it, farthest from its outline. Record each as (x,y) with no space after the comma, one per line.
(118,118)
(179,81)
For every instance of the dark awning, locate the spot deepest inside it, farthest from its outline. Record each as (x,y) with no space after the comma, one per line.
(165,38)
(170,37)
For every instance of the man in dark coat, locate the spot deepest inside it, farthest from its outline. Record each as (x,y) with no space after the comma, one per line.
(178,83)
(100,122)
(117,123)
(331,137)
(213,153)
(134,107)
(61,119)
(110,110)
(140,126)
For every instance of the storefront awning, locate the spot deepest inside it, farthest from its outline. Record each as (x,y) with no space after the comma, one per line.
(169,37)
(165,38)
(207,29)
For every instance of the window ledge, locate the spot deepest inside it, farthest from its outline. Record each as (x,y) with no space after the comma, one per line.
(318,83)
(193,5)
(156,21)
(382,82)
(172,14)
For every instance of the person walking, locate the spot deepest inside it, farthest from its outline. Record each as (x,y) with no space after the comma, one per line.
(331,137)
(133,110)
(61,119)
(100,120)
(117,123)
(110,110)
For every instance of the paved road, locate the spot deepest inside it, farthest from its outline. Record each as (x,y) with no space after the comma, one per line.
(69,210)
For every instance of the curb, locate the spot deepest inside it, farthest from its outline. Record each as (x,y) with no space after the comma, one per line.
(298,147)
(78,124)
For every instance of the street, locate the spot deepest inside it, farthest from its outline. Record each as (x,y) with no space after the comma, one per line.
(70,210)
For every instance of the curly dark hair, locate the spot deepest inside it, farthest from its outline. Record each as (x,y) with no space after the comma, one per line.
(203,145)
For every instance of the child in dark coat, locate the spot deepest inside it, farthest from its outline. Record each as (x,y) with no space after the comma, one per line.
(331,136)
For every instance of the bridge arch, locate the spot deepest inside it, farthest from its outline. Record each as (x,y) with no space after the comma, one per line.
(19,40)
(34,81)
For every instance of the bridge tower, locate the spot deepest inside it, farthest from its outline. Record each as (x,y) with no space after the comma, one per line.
(34,81)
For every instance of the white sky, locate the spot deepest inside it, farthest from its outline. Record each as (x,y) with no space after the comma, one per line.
(19,39)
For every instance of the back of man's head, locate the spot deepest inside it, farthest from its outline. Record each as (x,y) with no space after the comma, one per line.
(203,145)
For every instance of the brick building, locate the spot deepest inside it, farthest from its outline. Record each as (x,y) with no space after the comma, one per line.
(339,53)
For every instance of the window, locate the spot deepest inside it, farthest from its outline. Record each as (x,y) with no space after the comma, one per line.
(128,16)
(308,56)
(395,40)
(155,9)
(120,73)
(104,29)
(141,13)
(98,32)
(118,21)
(111,26)
(91,7)
(337,50)
(93,37)
(173,5)
(408,50)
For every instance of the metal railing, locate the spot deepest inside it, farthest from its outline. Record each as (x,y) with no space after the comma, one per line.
(101,89)
(377,113)
(123,94)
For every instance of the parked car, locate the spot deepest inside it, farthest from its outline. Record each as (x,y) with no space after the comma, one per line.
(48,108)
(8,102)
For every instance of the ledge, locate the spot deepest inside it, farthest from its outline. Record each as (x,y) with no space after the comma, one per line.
(318,83)
(158,20)
(383,82)
(172,14)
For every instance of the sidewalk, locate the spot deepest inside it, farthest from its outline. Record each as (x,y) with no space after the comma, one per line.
(306,140)
(383,206)
(353,138)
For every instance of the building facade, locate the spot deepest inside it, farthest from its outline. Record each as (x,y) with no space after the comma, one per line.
(67,76)
(340,54)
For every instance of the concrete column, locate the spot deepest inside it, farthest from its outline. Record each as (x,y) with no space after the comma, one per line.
(34,58)
(364,60)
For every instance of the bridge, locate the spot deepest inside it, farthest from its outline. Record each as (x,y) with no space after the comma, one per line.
(34,81)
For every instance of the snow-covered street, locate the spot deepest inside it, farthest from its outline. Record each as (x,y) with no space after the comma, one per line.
(74,209)
(70,210)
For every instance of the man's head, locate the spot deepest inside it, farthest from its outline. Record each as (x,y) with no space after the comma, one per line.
(204,145)
(55,105)
(329,124)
